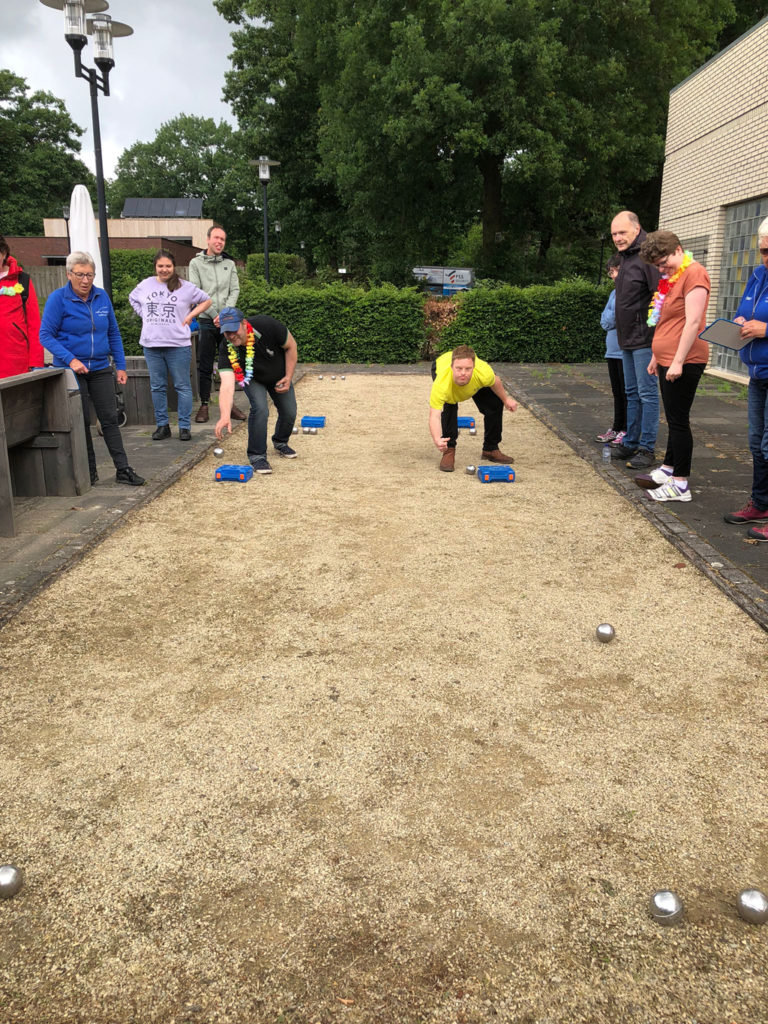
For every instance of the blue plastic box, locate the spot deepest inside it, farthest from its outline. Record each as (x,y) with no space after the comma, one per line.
(313,421)
(466,422)
(239,473)
(487,474)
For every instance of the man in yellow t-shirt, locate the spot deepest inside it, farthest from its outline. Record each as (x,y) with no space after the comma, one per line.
(457,376)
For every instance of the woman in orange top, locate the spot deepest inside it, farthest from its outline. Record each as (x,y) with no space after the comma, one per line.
(678,312)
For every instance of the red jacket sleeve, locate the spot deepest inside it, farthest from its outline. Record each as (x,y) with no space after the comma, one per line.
(36,353)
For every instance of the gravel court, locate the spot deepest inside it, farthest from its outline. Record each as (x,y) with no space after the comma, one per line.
(340,744)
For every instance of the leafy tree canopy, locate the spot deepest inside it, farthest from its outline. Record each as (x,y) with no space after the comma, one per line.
(39,142)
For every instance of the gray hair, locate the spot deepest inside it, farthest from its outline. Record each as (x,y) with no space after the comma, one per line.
(762,231)
(76,258)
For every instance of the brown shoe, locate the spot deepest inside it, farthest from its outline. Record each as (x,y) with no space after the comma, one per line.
(448,460)
(236,414)
(201,416)
(498,456)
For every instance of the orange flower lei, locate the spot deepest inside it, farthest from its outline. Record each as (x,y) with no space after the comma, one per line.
(243,379)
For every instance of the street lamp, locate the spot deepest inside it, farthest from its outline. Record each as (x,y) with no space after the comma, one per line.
(104,30)
(264,163)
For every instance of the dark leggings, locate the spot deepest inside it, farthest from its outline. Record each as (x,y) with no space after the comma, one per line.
(677,397)
(99,387)
(207,349)
(616,377)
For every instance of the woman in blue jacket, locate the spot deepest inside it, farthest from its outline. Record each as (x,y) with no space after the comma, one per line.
(752,314)
(80,330)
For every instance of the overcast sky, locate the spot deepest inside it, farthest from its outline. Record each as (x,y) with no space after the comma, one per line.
(173,64)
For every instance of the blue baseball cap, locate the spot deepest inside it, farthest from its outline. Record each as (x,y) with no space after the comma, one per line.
(230,319)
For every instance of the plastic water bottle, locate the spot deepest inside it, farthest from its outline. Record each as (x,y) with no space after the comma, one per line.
(606,454)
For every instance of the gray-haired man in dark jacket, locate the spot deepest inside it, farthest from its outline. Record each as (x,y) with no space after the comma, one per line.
(635,285)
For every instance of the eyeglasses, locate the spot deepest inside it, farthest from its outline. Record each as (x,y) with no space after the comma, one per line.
(82,277)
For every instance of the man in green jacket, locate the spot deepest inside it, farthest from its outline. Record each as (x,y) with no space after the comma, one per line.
(215,274)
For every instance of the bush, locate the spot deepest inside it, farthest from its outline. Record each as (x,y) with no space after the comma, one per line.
(284,268)
(341,324)
(542,324)
(129,266)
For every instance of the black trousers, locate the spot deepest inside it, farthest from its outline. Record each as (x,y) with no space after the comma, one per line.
(489,404)
(616,377)
(677,396)
(98,387)
(207,350)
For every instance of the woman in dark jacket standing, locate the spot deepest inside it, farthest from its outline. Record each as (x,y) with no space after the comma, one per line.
(80,329)
(752,314)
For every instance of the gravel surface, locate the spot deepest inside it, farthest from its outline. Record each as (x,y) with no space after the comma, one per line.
(340,744)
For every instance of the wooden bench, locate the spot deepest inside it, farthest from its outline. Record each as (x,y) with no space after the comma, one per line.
(42,441)
(137,395)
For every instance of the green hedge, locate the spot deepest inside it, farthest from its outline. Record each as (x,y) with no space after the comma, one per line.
(284,268)
(340,324)
(541,324)
(129,266)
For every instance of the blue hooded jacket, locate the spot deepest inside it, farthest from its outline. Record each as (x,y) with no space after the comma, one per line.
(84,329)
(754,306)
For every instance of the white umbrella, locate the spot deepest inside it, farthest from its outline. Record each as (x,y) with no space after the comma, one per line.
(83,236)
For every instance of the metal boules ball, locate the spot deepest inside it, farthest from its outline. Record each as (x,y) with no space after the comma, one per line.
(472,431)
(320,377)
(343,377)
(313,430)
(333,376)
(305,430)
(295,430)
(666,907)
(605,632)
(471,470)
(218,451)
(11,880)
(752,905)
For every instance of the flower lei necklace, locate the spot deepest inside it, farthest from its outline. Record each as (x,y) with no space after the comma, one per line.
(243,379)
(12,289)
(665,286)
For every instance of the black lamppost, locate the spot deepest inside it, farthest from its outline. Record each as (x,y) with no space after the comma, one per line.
(103,30)
(264,163)
(65,215)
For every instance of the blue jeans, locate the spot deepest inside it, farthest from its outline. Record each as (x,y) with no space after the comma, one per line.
(757,410)
(642,400)
(285,403)
(173,360)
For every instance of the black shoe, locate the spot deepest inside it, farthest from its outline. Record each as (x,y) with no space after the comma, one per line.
(260,465)
(620,451)
(642,459)
(94,477)
(285,450)
(185,434)
(127,476)
(161,433)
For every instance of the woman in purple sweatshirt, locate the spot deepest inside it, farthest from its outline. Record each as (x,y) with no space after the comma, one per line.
(167,305)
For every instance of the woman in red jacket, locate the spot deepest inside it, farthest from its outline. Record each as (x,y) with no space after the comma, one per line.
(20,348)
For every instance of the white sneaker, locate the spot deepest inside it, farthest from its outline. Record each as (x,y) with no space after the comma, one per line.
(670,491)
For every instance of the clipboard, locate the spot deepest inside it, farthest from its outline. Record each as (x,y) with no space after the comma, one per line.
(725,333)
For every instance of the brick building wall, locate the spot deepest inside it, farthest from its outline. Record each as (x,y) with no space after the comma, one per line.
(37,251)
(715,184)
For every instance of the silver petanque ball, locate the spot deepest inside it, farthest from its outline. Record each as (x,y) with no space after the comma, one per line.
(295,430)
(471,470)
(752,905)
(305,430)
(343,377)
(320,377)
(333,376)
(666,907)
(218,451)
(11,880)
(313,430)
(605,632)
(472,431)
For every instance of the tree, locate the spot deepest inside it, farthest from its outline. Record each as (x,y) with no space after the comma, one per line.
(414,118)
(39,167)
(194,157)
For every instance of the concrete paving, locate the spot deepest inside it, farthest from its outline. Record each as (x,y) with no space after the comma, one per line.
(574,401)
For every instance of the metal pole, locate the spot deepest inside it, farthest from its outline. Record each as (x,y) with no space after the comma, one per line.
(101,195)
(266,235)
